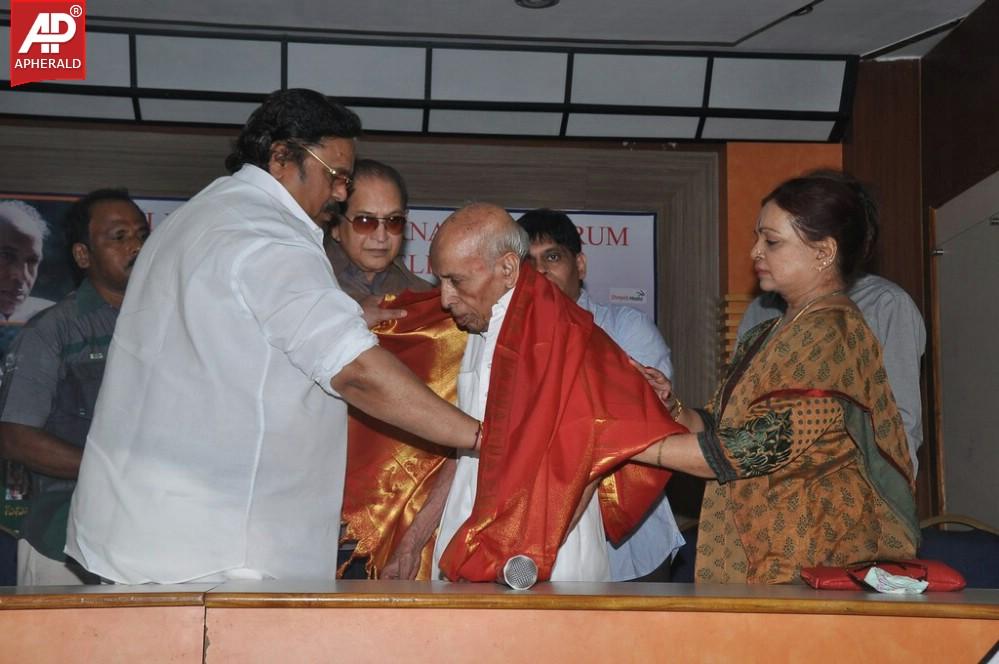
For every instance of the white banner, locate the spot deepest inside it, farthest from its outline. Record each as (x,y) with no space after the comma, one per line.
(620,248)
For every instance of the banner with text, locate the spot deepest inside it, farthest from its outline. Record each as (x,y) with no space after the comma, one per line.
(620,249)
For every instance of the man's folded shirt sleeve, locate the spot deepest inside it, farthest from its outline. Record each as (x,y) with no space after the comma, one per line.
(291,292)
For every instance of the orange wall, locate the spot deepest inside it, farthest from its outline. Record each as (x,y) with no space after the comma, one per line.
(752,170)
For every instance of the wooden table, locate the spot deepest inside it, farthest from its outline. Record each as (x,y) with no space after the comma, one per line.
(375,621)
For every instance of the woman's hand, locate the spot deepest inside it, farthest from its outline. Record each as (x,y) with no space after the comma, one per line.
(663,388)
(657,381)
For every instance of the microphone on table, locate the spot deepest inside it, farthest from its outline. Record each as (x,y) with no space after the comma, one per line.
(519,573)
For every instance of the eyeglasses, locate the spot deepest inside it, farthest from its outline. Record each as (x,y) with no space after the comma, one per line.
(335,175)
(366,224)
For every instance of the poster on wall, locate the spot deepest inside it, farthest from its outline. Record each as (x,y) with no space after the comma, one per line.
(34,274)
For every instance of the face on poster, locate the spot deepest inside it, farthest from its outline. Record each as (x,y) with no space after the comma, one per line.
(35,270)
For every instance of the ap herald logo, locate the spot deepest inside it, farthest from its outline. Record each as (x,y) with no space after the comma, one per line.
(48,41)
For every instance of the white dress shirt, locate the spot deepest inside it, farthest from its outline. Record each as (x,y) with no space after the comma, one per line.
(657,537)
(218,446)
(583,556)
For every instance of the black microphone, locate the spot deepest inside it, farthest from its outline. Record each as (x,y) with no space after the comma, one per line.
(519,573)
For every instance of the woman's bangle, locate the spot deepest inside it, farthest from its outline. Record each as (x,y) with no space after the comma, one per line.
(659,453)
(676,409)
(478,439)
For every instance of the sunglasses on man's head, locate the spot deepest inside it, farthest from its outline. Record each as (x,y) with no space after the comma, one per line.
(365,224)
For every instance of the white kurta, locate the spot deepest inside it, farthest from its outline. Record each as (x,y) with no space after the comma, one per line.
(217,447)
(583,556)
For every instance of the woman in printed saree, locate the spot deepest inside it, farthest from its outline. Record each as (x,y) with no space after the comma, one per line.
(802,443)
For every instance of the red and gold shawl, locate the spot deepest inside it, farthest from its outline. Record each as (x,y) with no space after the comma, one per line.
(565,407)
(389,472)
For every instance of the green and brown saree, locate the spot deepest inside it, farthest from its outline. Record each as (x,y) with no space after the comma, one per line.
(809,452)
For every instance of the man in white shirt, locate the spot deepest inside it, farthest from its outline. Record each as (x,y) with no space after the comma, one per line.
(218,446)
(556,252)
(477,254)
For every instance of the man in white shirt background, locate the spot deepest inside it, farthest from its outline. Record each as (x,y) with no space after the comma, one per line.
(218,445)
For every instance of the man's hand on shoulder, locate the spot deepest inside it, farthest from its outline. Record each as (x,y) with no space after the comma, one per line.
(374,315)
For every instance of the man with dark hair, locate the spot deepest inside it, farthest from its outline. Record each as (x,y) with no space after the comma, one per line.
(218,446)
(557,253)
(53,374)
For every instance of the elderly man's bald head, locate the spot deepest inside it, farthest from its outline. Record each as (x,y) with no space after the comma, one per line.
(476,254)
(488,225)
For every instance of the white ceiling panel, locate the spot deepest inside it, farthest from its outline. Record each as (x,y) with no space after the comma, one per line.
(107,60)
(342,70)
(224,65)
(495,122)
(630,126)
(519,76)
(187,110)
(638,80)
(747,129)
(792,85)
(65,106)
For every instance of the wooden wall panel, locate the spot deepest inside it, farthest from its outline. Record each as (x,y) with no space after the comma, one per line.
(961,107)
(960,141)
(883,149)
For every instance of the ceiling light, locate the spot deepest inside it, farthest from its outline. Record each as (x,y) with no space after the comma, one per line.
(536,4)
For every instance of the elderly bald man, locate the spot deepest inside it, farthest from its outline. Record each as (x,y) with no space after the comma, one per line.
(477,254)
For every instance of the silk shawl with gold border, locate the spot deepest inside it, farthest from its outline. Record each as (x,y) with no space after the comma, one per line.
(389,472)
(565,407)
